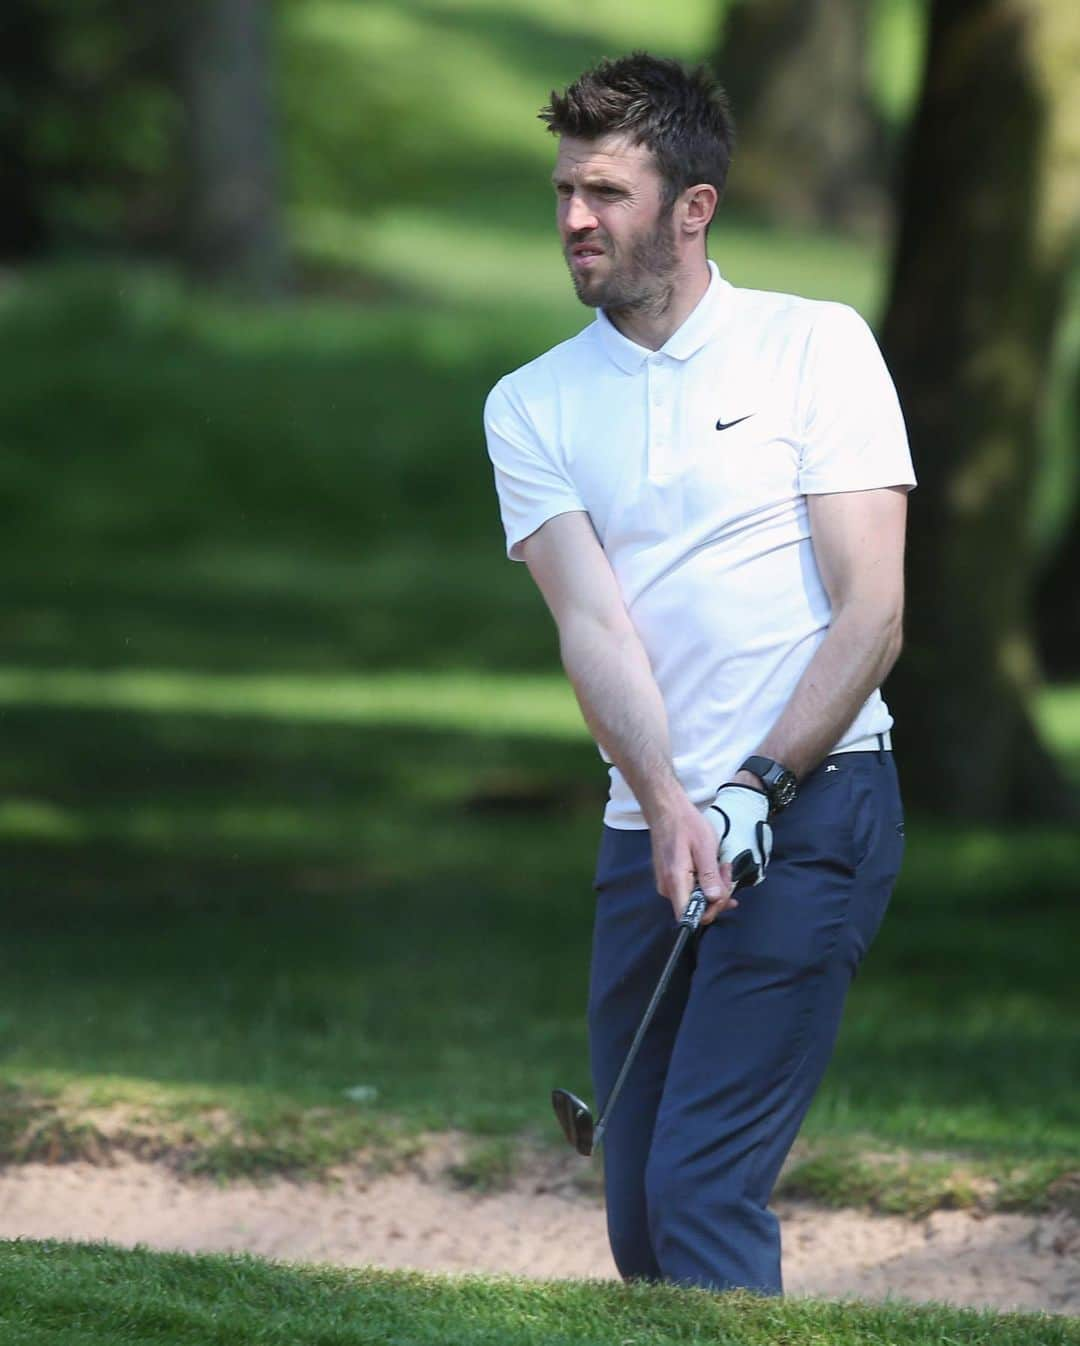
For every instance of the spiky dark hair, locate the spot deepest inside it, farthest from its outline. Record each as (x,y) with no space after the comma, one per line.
(681,114)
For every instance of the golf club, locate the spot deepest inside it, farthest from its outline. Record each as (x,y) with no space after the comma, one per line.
(573,1115)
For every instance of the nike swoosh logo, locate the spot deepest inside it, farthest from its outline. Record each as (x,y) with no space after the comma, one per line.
(726,425)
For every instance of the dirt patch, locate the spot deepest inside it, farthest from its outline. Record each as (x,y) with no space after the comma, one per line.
(547,1223)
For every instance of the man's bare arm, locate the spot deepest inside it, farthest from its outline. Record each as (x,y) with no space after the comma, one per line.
(858,542)
(615,687)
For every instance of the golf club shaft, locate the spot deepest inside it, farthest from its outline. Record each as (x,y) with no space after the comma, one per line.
(689,922)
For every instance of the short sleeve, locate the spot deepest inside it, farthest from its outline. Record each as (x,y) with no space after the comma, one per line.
(854,437)
(531,486)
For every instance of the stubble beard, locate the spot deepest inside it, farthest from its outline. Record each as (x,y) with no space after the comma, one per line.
(643,283)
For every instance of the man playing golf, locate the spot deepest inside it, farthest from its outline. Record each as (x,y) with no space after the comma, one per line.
(708,485)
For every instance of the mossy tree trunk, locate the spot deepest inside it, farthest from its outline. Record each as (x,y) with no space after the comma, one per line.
(809,148)
(988,229)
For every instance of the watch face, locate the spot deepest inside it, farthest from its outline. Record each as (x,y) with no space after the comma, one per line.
(785,789)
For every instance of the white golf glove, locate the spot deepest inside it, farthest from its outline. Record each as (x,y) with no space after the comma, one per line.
(744,838)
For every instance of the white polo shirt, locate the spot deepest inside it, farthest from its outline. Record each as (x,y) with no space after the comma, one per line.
(693,463)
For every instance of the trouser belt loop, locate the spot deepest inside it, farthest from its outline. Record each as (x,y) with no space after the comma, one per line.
(881,747)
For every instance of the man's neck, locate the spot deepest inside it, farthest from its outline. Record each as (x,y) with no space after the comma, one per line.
(652,329)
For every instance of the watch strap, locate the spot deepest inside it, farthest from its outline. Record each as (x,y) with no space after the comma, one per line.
(779,782)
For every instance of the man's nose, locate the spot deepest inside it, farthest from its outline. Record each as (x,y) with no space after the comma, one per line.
(578,216)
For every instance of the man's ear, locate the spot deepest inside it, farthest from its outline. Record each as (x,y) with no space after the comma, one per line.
(698,207)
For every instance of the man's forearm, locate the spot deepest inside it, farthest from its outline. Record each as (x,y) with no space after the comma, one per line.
(611,674)
(617,692)
(858,651)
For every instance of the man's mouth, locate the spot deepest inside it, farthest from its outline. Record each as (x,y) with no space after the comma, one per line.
(585,254)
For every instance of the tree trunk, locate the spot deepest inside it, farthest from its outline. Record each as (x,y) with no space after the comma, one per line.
(989,219)
(809,140)
(234,231)
(1057,596)
(25,30)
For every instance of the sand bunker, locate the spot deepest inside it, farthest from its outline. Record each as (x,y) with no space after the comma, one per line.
(543,1226)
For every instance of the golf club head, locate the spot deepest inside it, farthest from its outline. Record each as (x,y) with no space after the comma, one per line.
(575,1119)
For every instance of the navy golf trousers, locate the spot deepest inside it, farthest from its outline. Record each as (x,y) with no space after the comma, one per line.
(741,1040)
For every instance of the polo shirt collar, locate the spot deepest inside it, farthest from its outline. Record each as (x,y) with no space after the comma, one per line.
(687,340)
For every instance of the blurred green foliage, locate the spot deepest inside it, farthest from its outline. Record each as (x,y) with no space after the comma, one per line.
(899,34)
(382,103)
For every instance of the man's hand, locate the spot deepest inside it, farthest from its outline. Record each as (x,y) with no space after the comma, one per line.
(739,814)
(684,850)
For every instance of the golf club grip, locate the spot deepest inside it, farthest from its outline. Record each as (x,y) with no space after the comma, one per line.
(743,874)
(657,996)
(695,909)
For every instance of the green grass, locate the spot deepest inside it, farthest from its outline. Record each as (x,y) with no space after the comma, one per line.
(83,1295)
(258,894)
(285,747)
(477,703)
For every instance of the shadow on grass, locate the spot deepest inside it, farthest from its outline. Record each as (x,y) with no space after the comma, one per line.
(271,905)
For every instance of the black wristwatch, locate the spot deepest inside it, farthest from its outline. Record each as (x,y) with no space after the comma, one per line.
(781,785)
